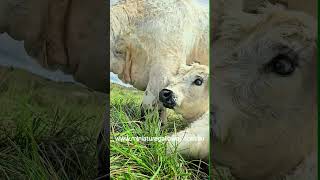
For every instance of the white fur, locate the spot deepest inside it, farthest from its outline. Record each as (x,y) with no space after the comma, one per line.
(265,123)
(197,148)
(155,38)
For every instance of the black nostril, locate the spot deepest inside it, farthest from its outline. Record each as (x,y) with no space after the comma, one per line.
(165,93)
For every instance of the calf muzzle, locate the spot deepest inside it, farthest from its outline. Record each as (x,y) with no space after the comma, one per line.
(166,96)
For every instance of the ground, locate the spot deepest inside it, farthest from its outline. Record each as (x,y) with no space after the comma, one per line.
(48,130)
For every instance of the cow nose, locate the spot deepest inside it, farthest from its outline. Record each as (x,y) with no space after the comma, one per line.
(165,94)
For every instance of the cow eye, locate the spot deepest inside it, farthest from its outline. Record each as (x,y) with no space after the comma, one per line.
(118,53)
(198,82)
(282,65)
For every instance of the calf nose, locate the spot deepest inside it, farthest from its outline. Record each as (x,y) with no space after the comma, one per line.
(165,94)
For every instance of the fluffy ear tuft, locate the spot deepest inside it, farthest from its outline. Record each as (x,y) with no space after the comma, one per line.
(184,68)
(200,66)
(195,62)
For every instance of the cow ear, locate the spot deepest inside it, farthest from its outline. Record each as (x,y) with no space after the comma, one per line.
(126,44)
(128,64)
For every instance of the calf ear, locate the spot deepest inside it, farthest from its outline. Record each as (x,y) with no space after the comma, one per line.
(184,68)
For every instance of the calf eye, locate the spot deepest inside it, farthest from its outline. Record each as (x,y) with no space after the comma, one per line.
(198,82)
(282,65)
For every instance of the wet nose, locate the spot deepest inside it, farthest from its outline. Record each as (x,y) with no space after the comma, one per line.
(165,94)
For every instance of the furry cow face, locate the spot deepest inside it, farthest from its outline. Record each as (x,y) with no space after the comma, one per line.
(263,90)
(187,93)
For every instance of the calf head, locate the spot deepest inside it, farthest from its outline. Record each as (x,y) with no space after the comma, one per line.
(187,92)
(264,91)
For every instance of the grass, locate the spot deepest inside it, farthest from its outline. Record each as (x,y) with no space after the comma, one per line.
(145,160)
(48,130)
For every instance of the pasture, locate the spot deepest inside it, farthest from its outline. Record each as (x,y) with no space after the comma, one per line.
(48,130)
